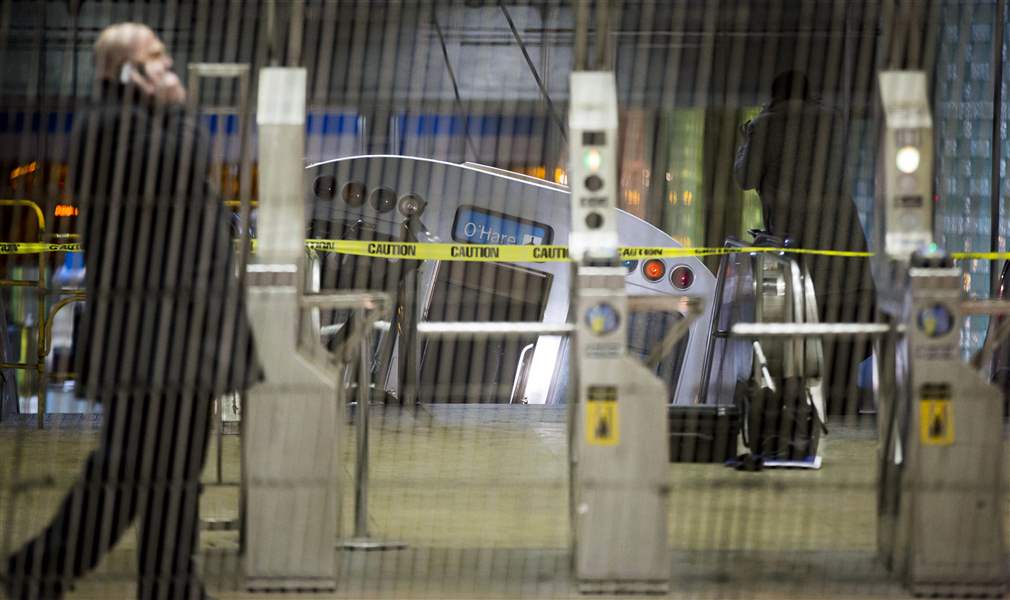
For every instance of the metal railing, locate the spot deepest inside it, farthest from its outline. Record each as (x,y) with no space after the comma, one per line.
(45,317)
(798,309)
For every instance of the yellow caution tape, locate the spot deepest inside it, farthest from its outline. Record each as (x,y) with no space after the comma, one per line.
(503,253)
(980,255)
(510,253)
(36,247)
(442,251)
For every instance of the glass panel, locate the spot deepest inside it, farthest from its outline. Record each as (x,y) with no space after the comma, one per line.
(751,217)
(646,331)
(963,133)
(636,157)
(479,370)
(684,136)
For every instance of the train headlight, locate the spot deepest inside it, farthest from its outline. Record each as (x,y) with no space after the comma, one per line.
(324,187)
(682,277)
(411,205)
(907,159)
(654,269)
(382,199)
(354,193)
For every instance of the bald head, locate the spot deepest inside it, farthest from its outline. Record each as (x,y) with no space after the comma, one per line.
(119,44)
(150,66)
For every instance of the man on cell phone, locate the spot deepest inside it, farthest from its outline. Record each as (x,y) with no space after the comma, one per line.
(163,332)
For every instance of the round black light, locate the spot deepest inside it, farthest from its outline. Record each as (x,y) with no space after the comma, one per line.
(594,220)
(411,205)
(682,277)
(354,193)
(593,183)
(325,187)
(382,199)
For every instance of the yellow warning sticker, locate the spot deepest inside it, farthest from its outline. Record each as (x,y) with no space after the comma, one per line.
(603,427)
(936,416)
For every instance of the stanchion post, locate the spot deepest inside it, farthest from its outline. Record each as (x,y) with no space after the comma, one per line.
(361,426)
(40,351)
(406,357)
(361,539)
(219,437)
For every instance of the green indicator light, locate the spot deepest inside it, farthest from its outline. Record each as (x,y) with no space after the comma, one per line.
(592,160)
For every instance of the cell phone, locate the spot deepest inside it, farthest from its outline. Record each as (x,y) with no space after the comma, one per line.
(126,73)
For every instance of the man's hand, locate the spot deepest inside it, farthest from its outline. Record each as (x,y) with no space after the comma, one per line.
(745,129)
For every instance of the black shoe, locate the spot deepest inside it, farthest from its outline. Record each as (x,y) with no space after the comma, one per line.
(749,462)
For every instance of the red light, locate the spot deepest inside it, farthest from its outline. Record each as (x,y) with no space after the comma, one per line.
(682,277)
(654,269)
(66,210)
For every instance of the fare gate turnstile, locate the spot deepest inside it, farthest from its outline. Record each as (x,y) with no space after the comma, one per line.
(618,419)
(941,492)
(292,420)
(942,479)
(290,504)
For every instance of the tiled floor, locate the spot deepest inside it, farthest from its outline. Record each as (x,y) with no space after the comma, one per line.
(479,494)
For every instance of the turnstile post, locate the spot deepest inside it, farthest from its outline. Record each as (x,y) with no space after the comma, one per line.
(618,441)
(942,483)
(291,489)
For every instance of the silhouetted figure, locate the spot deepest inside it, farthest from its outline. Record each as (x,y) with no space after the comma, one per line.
(163,331)
(794,154)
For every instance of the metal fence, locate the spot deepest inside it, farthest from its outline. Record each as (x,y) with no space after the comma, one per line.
(127,358)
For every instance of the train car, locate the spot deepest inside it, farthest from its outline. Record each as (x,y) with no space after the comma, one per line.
(362,197)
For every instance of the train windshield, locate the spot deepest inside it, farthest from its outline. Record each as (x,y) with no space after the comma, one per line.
(646,331)
(479,370)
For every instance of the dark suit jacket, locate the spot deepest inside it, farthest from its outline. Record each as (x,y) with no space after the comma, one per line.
(794,155)
(164,312)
